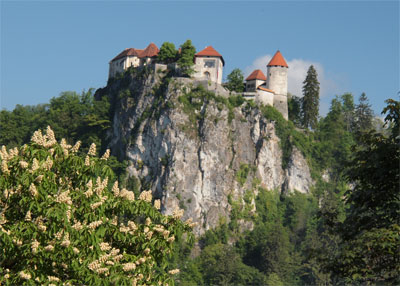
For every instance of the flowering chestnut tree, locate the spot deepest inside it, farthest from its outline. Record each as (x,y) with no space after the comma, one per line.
(63,221)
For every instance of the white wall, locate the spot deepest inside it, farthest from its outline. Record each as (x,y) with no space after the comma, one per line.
(265,97)
(277,79)
(203,65)
(120,65)
(117,66)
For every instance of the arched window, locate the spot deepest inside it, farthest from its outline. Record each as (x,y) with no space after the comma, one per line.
(207,75)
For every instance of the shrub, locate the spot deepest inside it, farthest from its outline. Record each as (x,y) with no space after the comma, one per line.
(63,219)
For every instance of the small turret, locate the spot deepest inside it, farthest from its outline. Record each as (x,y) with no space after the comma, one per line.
(277,78)
(277,74)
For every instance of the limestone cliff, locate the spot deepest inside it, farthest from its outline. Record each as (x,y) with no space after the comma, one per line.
(195,148)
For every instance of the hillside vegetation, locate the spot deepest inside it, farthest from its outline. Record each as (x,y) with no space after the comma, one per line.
(344,231)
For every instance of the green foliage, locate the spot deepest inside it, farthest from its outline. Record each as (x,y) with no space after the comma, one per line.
(167,53)
(235,81)
(73,116)
(294,109)
(310,99)
(220,264)
(274,280)
(363,114)
(336,140)
(194,104)
(370,232)
(63,219)
(290,137)
(242,173)
(186,58)
(348,110)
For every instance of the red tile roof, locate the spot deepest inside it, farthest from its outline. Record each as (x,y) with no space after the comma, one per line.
(266,89)
(151,51)
(256,74)
(210,52)
(277,60)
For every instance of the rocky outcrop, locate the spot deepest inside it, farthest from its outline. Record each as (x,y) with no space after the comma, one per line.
(194,149)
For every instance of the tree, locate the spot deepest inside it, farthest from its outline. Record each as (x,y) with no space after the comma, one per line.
(348,110)
(17,125)
(167,53)
(294,108)
(221,265)
(186,57)
(370,232)
(310,99)
(363,114)
(74,116)
(63,218)
(235,81)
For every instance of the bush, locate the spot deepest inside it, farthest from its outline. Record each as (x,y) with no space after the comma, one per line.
(62,219)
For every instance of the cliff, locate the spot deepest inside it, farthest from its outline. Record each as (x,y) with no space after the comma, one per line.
(196,147)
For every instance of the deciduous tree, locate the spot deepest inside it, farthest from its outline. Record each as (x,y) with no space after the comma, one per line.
(235,81)
(371,231)
(167,53)
(64,219)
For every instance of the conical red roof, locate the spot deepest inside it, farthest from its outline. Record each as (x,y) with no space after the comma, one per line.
(210,52)
(277,60)
(257,74)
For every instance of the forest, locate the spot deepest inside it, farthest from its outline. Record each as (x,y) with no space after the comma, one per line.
(345,232)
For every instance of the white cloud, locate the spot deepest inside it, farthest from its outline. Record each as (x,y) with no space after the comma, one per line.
(296,74)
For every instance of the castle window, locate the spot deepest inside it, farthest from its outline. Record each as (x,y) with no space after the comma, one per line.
(207,75)
(209,63)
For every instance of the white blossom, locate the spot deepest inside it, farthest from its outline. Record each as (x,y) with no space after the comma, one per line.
(129,267)
(33,190)
(177,213)
(28,216)
(35,246)
(157,204)
(75,148)
(92,150)
(173,271)
(24,275)
(146,196)
(106,155)
(23,164)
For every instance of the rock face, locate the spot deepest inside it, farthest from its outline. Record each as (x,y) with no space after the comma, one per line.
(195,151)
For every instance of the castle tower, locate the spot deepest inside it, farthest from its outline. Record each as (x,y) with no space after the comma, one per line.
(209,65)
(277,70)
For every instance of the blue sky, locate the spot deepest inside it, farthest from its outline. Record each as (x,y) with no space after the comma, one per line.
(50,47)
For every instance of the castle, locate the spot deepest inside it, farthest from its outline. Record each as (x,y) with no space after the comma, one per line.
(208,65)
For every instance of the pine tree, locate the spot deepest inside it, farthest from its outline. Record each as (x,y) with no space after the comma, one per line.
(364,114)
(311,99)
(348,110)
